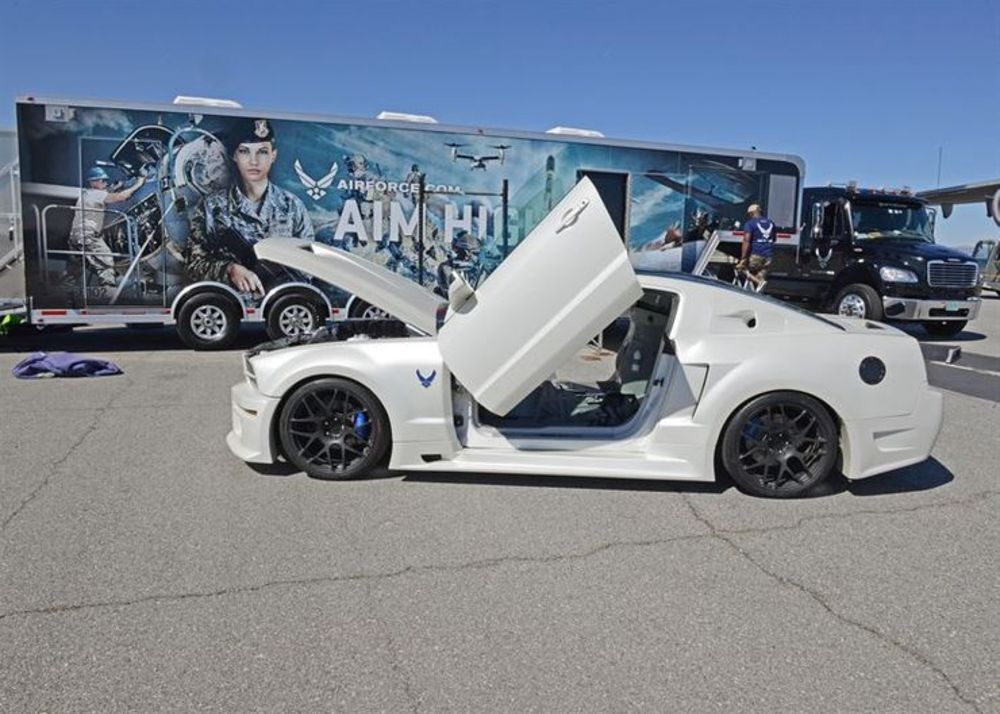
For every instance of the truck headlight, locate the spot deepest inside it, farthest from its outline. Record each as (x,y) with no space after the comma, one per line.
(897,275)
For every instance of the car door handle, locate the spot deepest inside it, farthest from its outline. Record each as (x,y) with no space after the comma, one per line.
(571,215)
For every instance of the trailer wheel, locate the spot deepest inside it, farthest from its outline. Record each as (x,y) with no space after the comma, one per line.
(292,315)
(363,310)
(208,322)
(859,300)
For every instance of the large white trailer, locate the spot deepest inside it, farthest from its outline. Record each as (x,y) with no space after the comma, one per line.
(123,205)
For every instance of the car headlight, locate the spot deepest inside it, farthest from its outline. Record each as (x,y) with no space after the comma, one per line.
(897,275)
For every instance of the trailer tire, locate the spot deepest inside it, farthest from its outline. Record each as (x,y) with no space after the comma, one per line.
(208,321)
(293,314)
(859,300)
(359,309)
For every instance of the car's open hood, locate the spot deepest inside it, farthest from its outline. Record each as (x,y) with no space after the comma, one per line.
(400,297)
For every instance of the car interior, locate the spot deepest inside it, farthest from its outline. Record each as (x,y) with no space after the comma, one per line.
(605,383)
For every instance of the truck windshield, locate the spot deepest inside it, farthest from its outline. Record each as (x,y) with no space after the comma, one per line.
(905,221)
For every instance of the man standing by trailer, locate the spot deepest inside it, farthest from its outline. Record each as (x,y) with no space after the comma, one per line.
(226,225)
(85,234)
(758,246)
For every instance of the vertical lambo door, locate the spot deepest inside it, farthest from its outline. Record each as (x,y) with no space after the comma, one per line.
(562,285)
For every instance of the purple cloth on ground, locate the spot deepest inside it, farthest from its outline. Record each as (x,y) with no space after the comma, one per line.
(63,364)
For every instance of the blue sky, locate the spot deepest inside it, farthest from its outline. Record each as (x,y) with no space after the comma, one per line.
(861,90)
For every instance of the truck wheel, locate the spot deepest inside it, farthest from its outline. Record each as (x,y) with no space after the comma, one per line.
(208,322)
(858,300)
(293,315)
(944,328)
(780,445)
(333,429)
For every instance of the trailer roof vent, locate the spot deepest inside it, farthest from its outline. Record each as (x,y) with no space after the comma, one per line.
(573,131)
(207,102)
(403,116)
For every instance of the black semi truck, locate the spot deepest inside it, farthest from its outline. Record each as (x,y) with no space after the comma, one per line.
(871,254)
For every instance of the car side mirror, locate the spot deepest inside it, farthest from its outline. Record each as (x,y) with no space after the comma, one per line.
(460,291)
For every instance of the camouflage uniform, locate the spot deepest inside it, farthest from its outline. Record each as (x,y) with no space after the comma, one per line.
(85,236)
(280,214)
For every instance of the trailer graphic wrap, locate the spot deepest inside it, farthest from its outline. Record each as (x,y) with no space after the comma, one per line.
(128,207)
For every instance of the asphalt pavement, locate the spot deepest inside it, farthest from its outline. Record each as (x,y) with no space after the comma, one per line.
(144,568)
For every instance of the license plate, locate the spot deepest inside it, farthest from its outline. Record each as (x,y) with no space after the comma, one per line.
(953,306)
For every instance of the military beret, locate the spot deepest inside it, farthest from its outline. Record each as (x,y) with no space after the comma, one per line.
(248,131)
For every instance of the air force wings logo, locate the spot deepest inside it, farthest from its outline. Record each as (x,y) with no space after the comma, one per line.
(316,188)
(426,381)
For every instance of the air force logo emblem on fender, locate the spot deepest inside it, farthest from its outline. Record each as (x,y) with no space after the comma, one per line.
(425,382)
(316,188)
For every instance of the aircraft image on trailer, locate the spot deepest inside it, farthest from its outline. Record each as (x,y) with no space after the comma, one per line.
(720,188)
(476,161)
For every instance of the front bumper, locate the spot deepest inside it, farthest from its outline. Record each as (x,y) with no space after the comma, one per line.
(874,446)
(253,414)
(897,308)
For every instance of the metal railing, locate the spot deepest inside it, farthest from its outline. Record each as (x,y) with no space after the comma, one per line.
(45,252)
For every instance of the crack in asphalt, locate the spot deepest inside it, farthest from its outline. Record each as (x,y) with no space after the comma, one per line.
(54,469)
(394,660)
(486,563)
(967,500)
(726,537)
(483,563)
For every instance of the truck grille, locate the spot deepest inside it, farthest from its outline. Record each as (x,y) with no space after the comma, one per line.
(952,275)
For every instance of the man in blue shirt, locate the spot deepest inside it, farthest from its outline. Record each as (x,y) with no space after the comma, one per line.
(760,233)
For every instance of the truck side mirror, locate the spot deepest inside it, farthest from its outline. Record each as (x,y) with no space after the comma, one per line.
(932,219)
(817,220)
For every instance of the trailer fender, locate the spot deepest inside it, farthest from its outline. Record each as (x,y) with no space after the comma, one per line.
(207,286)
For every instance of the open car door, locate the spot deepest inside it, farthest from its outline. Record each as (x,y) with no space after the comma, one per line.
(562,285)
(400,297)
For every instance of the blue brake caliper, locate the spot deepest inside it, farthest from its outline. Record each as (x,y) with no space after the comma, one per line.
(362,427)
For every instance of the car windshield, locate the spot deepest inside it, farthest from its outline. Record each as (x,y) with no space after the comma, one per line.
(891,220)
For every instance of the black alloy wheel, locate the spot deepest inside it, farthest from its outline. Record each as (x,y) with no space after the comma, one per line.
(333,428)
(780,445)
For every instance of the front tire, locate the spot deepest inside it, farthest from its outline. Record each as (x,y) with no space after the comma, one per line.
(859,300)
(944,328)
(780,445)
(208,322)
(292,315)
(333,429)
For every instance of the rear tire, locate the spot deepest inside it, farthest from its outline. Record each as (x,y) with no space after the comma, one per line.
(780,445)
(859,300)
(208,322)
(293,315)
(944,328)
(333,429)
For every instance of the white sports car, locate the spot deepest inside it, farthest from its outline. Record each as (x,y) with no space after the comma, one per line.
(565,362)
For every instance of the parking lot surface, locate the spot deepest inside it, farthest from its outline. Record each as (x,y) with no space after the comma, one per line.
(144,568)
